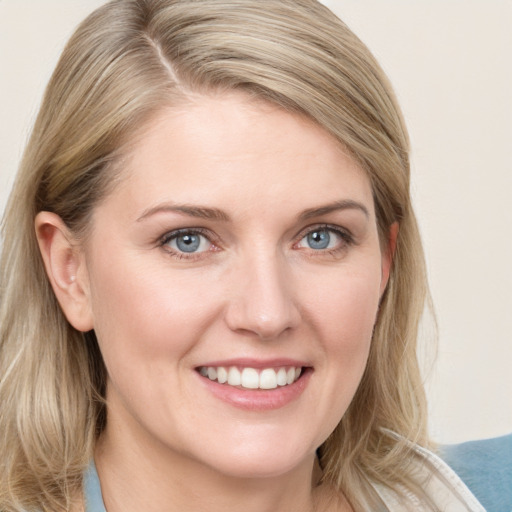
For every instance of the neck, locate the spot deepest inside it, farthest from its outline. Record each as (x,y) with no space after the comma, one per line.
(134,477)
(131,480)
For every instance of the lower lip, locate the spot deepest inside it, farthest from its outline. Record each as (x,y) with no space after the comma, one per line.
(258,399)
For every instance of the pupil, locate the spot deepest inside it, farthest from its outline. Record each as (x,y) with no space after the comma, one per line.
(319,239)
(188,243)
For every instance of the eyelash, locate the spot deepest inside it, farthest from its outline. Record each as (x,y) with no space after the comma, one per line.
(343,234)
(173,235)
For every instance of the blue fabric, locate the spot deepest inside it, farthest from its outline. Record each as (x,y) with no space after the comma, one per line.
(92,489)
(485,466)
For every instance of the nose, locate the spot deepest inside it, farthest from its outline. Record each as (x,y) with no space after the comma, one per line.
(262,303)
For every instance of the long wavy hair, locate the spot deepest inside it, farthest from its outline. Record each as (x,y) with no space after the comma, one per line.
(125,62)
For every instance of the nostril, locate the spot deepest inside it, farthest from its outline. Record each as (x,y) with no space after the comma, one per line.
(247,320)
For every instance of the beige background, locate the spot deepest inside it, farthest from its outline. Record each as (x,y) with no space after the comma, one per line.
(451,64)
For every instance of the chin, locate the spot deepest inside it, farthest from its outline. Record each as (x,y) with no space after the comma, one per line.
(268,459)
(260,468)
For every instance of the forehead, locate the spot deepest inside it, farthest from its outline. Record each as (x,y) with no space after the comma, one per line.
(233,150)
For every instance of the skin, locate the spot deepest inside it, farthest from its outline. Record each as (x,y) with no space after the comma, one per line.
(255,289)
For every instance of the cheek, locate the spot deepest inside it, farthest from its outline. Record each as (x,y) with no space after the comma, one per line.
(343,321)
(146,323)
(344,306)
(353,315)
(145,314)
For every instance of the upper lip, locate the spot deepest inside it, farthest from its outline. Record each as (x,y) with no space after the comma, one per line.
(256,363)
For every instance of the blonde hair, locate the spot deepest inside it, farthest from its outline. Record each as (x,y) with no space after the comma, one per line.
(125,62)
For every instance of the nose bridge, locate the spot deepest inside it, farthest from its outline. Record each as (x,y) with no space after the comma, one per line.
(263,302)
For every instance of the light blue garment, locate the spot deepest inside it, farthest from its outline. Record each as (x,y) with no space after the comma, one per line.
(93,497)
(485,466)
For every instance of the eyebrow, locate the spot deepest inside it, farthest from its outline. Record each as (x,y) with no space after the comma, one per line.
(203,212)
(345,204)
(200,212)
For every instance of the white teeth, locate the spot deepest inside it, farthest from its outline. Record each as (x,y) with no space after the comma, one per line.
(268,379)
(222,374)
(281,377)
(234,377)
(251,378)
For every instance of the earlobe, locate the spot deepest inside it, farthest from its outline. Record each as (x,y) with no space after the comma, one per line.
(65,267)
(388,253)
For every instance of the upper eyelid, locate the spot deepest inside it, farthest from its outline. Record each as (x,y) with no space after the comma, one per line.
(164,241)
(174,233)
(329,227)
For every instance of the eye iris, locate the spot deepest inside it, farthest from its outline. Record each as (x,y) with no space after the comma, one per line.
(319,239)
(188,243)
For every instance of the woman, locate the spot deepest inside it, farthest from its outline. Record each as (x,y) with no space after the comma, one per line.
(211,273)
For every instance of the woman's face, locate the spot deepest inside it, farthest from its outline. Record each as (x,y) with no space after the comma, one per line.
(234,277)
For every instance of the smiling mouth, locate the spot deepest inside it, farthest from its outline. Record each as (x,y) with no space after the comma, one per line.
(252,378)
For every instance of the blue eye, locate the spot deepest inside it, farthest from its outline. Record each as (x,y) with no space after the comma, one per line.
(187,242)
(321,239)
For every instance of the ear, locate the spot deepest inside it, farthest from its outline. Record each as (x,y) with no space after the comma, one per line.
(65,266)
(388,252)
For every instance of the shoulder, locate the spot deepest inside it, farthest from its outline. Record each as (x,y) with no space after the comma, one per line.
(486,468)
(442,488)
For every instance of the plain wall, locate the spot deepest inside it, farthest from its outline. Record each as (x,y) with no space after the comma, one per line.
(451,64)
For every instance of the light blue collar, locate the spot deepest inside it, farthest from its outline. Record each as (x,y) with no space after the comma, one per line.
(92,489)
